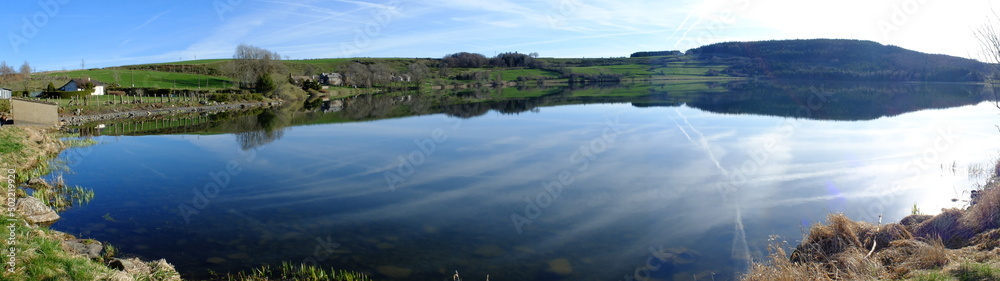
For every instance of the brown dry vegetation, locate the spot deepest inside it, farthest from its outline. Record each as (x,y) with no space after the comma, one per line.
(957,244)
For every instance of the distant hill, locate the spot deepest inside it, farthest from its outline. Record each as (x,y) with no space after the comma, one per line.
(837,59)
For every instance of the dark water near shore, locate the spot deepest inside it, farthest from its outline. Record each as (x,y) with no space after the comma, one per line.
(599,183)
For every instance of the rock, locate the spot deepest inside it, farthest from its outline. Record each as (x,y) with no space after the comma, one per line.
(524,249)
(490,251)
(35,212)
(560,266)
(216,260)
(38,181)
(132,266)
(239,256)
(430,229)
(394,271)
(85,247)
(676,256)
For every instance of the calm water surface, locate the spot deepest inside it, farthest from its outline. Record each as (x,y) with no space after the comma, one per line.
(690,189)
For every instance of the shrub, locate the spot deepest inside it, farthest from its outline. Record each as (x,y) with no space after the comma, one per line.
(227,97)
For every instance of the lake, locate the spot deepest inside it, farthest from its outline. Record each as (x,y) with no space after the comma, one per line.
(609,182)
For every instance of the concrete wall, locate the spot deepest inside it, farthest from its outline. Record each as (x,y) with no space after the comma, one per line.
(34,113)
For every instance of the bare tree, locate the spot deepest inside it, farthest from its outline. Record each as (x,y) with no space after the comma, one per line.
(6,73)
(250,63)
(25,74)
(989,42)
(418,72)
(358,75)
(381,74)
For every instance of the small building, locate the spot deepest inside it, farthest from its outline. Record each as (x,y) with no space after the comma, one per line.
(80,85)
(5,93)
(332,79)
(401,78)
(34,113)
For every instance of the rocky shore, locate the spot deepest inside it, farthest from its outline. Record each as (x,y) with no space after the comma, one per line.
(73,120)
(41,253)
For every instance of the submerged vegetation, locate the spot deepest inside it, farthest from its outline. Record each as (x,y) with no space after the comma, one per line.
(297,272)
(957,244)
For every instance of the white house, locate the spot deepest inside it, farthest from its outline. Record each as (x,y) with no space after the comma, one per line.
(78,85)
(5,94)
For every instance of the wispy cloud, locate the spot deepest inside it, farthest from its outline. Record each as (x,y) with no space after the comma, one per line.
(150,20)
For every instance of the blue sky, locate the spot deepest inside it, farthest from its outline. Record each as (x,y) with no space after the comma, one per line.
(58,34)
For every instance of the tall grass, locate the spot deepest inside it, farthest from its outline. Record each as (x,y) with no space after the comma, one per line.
(921,247)
(297,272)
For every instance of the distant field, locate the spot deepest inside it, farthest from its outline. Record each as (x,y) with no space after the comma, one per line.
(323,61)
(147,78)
(512,74)
(190,62)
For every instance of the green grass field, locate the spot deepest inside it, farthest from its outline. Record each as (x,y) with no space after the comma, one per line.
(148,78)
(512,74)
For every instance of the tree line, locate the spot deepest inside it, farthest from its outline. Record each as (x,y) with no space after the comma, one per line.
(510,59)
(9,76)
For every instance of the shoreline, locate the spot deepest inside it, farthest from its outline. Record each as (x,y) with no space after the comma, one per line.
(43,253)
(38,252)
(956,244)
(72,120)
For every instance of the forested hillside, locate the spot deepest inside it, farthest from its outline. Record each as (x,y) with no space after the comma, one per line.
(837,59)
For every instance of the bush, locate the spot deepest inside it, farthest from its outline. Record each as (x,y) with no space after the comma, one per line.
(226,97)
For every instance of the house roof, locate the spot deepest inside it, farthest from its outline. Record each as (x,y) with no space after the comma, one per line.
(83,81)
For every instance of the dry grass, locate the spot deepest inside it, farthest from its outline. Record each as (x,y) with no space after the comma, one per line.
(904,256)
(824,241)
(948,227)
(779,268)
(884,235)
(985,215)
(955,244)
(912,221)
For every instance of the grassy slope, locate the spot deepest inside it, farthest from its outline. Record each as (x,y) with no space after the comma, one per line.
(148,78)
